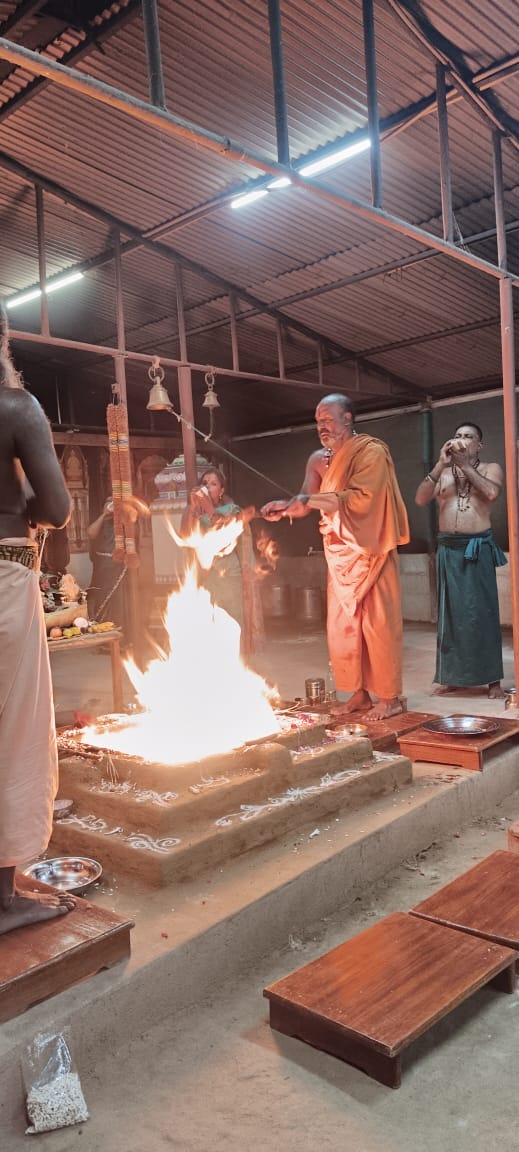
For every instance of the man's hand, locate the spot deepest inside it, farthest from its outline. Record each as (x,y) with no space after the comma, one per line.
(274,510)
(459,454)
(445,457)
(286,509)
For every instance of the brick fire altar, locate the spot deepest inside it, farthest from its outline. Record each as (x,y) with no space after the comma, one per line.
(163,823)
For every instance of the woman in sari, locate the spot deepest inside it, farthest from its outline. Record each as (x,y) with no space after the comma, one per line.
(231,579)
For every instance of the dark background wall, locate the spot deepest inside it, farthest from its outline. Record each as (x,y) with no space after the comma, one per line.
(282,458)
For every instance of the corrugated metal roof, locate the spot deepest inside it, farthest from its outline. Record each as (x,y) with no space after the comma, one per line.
(432,324)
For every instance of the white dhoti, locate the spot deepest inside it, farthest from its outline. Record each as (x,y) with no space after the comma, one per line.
(28,752)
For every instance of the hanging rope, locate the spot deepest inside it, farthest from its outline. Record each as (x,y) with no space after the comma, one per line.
(208,439)
(125,551)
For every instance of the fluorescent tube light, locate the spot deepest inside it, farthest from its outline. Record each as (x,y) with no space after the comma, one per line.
(311,169)
(248,198)
(335,158)
(35,293)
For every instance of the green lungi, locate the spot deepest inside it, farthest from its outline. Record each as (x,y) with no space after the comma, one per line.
(468,649)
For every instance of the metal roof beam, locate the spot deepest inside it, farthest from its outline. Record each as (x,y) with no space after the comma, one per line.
(396,383)
(176,127)
(428,337)
(100,33)
(383,269)
(24,11)
(257,306)
(104,351)
(389,126)
(450,55)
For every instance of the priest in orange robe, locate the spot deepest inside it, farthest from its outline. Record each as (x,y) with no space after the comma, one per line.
(351,480)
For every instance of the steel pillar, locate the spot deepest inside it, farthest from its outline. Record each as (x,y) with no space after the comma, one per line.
(185,390)
(42,263)
(278,76)
(445,167)
(509,397)
(150,19)
(370,57)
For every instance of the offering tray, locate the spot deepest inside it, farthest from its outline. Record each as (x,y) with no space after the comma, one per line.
(462,749)
(352,730)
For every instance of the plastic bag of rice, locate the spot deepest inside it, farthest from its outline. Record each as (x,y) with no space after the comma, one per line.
(54,1096)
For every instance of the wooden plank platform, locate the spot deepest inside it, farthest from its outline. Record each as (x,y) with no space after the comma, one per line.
(483,901)
(368,999)
(383,733)
(463,751)
(41,960)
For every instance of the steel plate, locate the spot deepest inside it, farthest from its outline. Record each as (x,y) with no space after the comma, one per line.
(462,725)
(68,873)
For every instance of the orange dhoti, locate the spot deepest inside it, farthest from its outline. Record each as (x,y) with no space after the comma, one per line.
(364,622)
(28,753)
(365,637)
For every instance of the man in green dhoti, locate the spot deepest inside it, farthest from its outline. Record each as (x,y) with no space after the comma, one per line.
(468,650)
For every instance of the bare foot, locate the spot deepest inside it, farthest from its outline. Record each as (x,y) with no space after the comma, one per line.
(24,910)
(358,702)
(443,690)
(495,691)
(383,709)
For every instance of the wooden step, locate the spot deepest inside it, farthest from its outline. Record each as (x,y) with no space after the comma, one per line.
(40,960)
(484,900)
(367,1000)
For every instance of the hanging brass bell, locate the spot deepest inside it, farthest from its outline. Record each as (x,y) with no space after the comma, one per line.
(210,398)
(159,400)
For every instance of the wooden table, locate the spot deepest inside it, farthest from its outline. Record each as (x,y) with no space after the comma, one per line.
(368,999)
(483,901)
(463,751)
(97,640)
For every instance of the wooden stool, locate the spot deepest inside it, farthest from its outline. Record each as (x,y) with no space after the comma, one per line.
(40,960)
(368,999)
(463,751)
(483,901)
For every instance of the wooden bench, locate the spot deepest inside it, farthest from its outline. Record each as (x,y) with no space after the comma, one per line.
(483,901)
(367,1000)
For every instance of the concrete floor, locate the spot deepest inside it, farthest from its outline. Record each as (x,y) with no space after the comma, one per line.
(82,680)
(210,1076)
(217,1079)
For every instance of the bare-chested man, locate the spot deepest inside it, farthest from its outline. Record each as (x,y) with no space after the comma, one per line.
(469,648)
(351,481)
(32,491)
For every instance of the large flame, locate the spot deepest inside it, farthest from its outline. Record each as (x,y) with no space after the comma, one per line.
(208,545)
(200,699)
